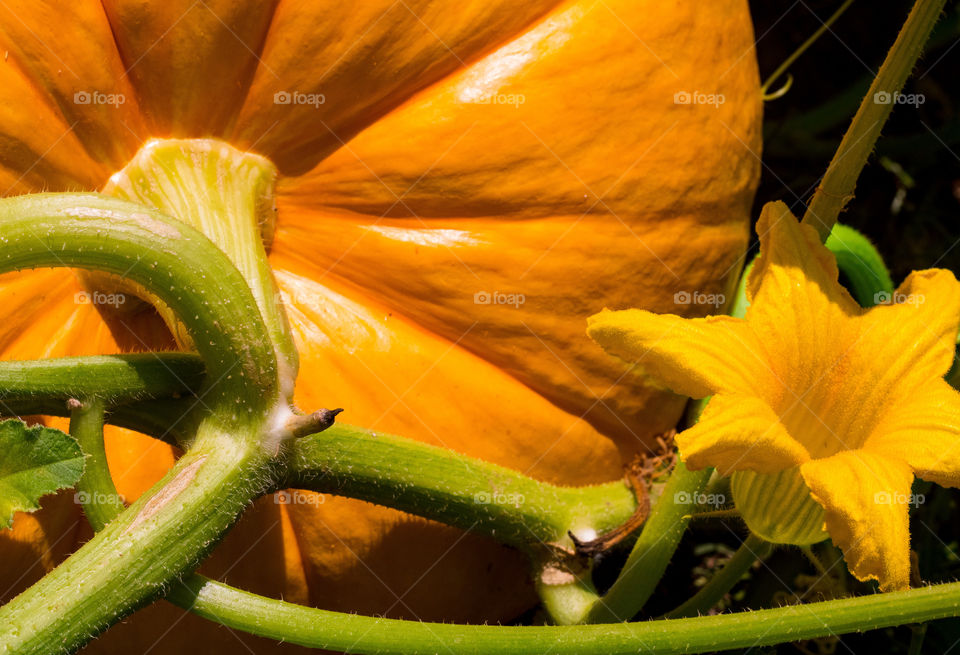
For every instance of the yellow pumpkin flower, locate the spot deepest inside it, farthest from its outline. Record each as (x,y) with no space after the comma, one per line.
(813,393)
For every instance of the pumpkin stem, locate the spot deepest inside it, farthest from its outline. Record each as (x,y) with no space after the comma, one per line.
(226,194)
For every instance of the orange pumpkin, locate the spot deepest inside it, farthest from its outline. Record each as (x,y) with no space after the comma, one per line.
(469,182)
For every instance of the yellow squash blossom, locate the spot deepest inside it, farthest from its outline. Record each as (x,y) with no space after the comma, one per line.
(813,393)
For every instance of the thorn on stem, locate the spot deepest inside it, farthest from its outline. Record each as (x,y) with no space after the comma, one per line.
(320,420)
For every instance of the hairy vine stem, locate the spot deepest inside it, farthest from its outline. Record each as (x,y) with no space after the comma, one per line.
(169,529)
(836,188)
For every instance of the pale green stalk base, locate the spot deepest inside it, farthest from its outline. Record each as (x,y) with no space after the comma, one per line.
(227,195)
(566,601)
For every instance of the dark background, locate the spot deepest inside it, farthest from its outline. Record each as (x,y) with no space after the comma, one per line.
(908,202)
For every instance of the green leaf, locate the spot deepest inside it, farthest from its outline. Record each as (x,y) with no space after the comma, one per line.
(861,263)
(34,461)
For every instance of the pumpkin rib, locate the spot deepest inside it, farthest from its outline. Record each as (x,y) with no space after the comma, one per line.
(43,165)
(52,106)
(291,262)
(389,103)
(625,434)
(123,60)
(100,129)
(191,78)
(529,173)
(33,287)
(418,92)
(230,125)
(352,341)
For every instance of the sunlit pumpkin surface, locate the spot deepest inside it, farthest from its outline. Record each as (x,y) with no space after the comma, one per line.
(538,155)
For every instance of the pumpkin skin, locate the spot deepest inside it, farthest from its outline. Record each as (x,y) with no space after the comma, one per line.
(530,148)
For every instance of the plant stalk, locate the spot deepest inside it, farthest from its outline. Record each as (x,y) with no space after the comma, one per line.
(175,262)
(454,489)
(113,379)
(95,489)
(353,633)
(172,526)
(838,184)
(132,560)
(652,553)
(752,549)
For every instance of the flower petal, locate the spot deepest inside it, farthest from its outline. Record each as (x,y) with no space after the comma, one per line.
(879,362)
(917,328)
(793,260)
(925,433)
(778,507)
(693,357)
(865,496)
(740,433)
(797,304)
